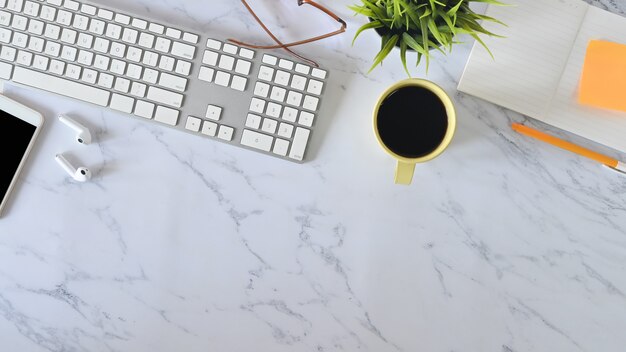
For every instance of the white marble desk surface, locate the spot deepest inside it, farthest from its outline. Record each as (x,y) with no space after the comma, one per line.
(183,244)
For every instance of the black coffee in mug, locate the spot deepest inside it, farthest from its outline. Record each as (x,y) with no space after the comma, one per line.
(412,121)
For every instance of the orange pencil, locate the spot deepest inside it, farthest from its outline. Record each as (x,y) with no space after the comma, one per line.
(610,162)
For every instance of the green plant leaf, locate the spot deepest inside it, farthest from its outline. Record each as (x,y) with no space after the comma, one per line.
(370,25)
(387,45)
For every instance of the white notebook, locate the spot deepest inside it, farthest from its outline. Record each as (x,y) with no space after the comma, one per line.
(536,69)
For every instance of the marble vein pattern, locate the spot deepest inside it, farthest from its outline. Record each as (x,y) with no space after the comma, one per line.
(502,244)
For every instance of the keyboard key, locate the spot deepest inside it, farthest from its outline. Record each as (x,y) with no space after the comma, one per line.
(306,119)
(209,128)
(227,62)
(210,58)
(282,78)
(122,103)
(310,103)
(138,89)
(31,8)
(253,121)
(106,14)
(257,140)
(286,64)
(8,53)
(89,76)
(167,63)
(173,82)
(222,78)
(213,112)
(273,110)
(15,5)
(229,48)
(113,31)
(299,143)
(123,19)
(61,86)
(156,28)
(246,53)
(166,115)
(285,130)
(150,75)
(5,18)
(298,82)
(257,105)
(261,89)
(64,17)
(146,40)
(193,124)
(138,23)
(122,85)
(36,27)
(173,33)
(269,126)
(183,67)
(19,22)
(315,87)
(190,38)
(300,68)
(213,44)
(88,9)
(57,67)
(294,99)
(278,94)
(5,35)
(25,58)
(290,114)
(266,73)
(80,22)
(321,74)
(144,109)
(20,40)
(71,4)
(183,50)
(130,36)
(97,27)
(5,70)
(281,147)
(163,45)
(48,13)
(150,58)
(269,59)
(225,133)
(243,67)
(206,74)
(106,80)
(239,83)
(165,97)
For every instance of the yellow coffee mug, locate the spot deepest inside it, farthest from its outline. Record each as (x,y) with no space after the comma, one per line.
(406,165)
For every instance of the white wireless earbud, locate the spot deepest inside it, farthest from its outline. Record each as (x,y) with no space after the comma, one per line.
(83,135)
(80,174)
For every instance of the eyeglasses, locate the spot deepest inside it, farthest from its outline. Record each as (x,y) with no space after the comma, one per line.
(287,46)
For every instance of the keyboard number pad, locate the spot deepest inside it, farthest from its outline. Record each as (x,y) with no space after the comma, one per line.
(226,65)
(283,109)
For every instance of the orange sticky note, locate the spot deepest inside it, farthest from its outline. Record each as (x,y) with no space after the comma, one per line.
(603,82)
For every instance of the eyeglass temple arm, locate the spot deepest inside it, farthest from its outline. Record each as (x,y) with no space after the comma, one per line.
(286,46)
(281,45)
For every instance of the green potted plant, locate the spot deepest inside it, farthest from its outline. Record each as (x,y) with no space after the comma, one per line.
(421,25)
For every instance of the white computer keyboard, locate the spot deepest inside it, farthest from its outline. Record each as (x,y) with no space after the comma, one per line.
(163,73)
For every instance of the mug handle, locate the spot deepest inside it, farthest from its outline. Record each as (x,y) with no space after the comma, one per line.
(404,173)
